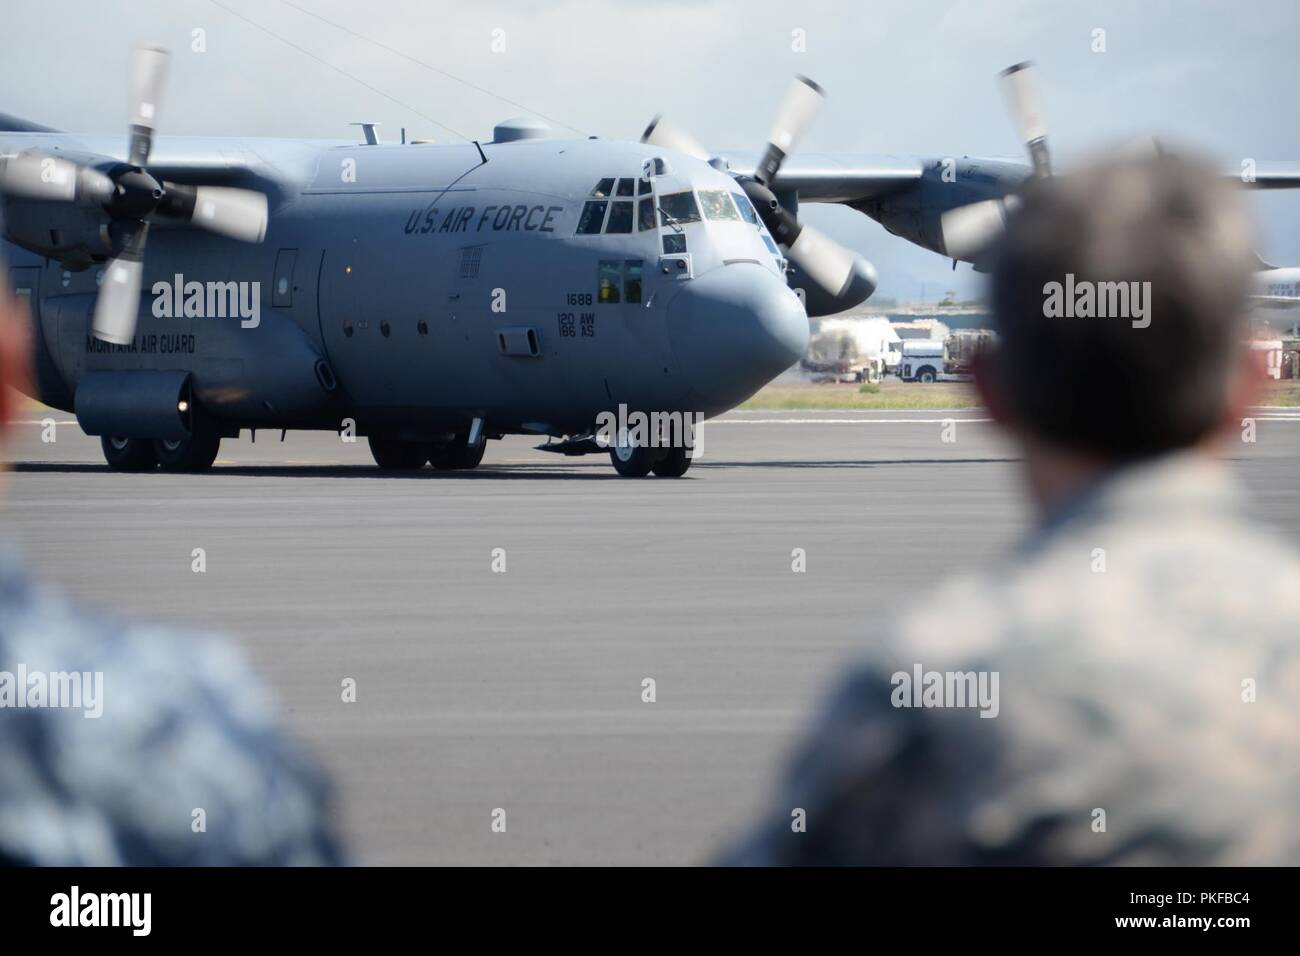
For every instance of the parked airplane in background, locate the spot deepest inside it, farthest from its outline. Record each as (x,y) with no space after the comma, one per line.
(431,296)
(1276,297)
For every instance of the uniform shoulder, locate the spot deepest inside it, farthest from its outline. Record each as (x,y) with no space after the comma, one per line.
(174,754)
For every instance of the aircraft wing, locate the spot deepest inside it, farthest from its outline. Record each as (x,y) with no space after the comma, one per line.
(831,177)
(846,177)
(267,164)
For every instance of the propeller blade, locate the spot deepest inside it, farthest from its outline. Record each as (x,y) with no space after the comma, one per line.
(148,69)
(238,213)
(968,230)
(662,133)
(119,295)
(1142,146)
(802,101)
(1020,83)
(833,267)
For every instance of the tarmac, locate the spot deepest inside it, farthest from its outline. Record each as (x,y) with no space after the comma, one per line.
(480,689)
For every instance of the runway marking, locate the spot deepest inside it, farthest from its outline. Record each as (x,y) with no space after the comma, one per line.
(840,421)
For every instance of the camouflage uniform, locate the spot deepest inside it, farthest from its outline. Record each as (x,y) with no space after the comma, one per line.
(1120,690)
(185,726)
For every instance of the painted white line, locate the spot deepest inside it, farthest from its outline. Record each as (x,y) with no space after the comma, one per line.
(797,411)
(840,421)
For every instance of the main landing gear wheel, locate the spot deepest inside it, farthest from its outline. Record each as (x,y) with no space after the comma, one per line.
(457,455)
(674,464)
(196,453)
(128,454)
(393,455)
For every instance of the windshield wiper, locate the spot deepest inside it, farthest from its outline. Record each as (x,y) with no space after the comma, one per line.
(671,220)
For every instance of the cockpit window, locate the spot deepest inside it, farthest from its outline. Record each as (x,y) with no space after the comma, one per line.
(603,189)
(717,205)
(593,215)
(620,217)
(747,210)
(645,214)
(642,186)
(625,187)
(678,207)
(632,280)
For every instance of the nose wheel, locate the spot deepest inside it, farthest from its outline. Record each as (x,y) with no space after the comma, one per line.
(632,461)
(636,461)
(674,464)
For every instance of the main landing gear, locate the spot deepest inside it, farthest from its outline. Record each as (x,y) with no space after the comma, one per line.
(392,454)
(192,454)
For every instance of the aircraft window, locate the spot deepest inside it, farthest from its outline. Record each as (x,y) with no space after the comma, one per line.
(608,281)
(603,188)
(620,217)
(771,246)
(717,205)
(674,243)
(384,328)
(422,327)
(593,215)
(679,207)
(645,213)
(347,327)
(747,210)
(625,186)
(642,186)
(632,280)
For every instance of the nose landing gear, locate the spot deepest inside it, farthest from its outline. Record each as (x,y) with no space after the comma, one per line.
(637,461)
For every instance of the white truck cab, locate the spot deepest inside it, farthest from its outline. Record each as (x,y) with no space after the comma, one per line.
(922,360)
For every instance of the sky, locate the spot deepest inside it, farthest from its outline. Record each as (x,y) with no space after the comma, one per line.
(902,77)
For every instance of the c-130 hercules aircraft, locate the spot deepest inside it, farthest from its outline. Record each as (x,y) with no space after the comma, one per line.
(433,296)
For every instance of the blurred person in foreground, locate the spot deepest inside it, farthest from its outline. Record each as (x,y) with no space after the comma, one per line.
(176,724)
(1124,688)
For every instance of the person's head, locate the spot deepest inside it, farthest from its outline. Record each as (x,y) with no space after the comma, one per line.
(1119,295)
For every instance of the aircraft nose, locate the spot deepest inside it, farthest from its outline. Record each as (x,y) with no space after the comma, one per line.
(733,330)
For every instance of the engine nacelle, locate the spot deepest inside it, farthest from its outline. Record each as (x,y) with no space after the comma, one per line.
(75,236)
